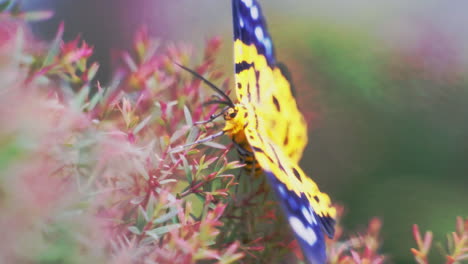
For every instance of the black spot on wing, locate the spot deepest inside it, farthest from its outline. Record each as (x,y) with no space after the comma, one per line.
(250,27)
(328,225)
(278,161)
(286,138)
(242,66)
(296,173)
(256,122)
(256,149)
(260,151)
(276,103)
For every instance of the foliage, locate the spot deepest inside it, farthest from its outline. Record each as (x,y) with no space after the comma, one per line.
(455,251)
(87,171)
(95,174)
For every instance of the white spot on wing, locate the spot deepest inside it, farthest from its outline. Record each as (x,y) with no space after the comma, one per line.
(248,3)
(267,43)
(308,215)
(254,12)
(259,33)
(306,233)
(281,190)
(241,22)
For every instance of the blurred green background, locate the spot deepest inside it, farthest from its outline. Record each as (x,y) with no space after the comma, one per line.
(383,85)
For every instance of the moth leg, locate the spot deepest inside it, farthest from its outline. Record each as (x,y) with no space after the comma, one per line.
(203,140)
(212,118)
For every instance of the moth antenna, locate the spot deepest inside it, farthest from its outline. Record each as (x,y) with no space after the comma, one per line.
(221,102)
(210,84)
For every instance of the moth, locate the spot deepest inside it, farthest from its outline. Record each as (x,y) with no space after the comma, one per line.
(270,132)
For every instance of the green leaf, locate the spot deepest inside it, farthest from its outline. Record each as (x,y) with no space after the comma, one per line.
(202,165)
(167,181)
(34,16)
(10,149)
(176,149)
(214,145)
(4,5)
(170,108)
(150,207)
(201,197)
(55,47)
(188,171)
(188,116)
(231,258)
(95,100)
(192,152)
(158,232)
(166,217)
(142,218)
(142,212)
(142,124)
(92,71)
(176,135)
(130,62)
(79,100)
(234,165)
(192,136)
(15,8)
(137,199)
(134,230)
(140,167)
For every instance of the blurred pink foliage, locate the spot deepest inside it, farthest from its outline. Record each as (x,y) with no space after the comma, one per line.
(455,252)
(357,249)
(87,172)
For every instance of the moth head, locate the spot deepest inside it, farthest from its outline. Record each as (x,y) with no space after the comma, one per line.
(231,113)
(235,119)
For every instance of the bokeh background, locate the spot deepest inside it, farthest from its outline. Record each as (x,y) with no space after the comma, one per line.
(383,84)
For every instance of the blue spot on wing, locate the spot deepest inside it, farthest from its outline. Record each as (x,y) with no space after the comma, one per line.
(315,253)
(250,27)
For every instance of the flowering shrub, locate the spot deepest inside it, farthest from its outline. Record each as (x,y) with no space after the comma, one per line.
(95,174)
(88,174)
(455,251)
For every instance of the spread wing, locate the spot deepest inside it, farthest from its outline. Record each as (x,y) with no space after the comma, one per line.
(276,130)
(309,211)
(260,80)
